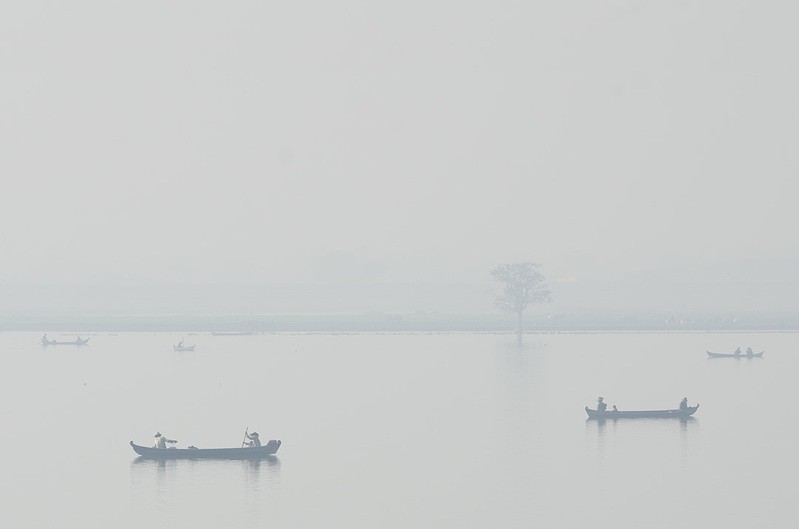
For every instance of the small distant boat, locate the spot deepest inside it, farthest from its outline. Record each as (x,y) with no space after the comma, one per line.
(735,355)
(45,341)
(643,414)
(181,347)
(259,452)
(240,333)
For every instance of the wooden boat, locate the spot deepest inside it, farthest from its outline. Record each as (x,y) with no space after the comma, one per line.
(208,453)
(77,341)
(644,414)
(184,347)
(733,355)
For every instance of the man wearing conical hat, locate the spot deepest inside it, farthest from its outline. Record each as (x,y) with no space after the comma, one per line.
(161,441)
(255,440)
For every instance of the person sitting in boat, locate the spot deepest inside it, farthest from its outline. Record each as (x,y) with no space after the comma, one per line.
(749,351)
(161,441)
(600,405)
(255,441)
(738,351)
(684,404)
(615,409)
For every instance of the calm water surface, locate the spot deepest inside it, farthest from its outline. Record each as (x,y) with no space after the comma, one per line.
(386,431)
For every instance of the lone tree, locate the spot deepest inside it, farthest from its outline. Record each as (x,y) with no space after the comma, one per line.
(522,285)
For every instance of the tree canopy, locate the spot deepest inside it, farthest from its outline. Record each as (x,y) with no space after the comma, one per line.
(523,285)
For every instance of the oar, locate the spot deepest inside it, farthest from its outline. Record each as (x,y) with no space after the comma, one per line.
(245,437)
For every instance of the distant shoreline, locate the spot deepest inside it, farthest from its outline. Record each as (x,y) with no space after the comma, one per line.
(380,323)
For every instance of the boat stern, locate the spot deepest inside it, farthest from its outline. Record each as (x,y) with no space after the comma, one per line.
(273,445)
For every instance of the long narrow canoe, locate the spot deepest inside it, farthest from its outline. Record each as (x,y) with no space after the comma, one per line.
(78,341)
(207,453)
(644,414)
(184,347)
(733,355)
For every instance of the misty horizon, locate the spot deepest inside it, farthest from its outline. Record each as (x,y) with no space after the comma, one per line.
(522,133)
(725,290)
(219,218)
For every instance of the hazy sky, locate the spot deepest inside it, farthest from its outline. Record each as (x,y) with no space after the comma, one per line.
(403,141)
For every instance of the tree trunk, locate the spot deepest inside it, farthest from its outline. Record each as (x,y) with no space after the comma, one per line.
(519,323)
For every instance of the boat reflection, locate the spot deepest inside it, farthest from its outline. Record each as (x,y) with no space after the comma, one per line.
(683,421)
(600,426)
(267,462)
(255,469)
(163,473)
(688,427)
(614,436)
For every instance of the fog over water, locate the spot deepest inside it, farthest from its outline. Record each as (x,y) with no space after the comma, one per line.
(339,179)
(457,430)
(421,143)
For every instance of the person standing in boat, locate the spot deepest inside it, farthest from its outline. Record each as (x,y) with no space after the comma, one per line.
(600,404)
(684,404)
(255,440)
(161,441)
